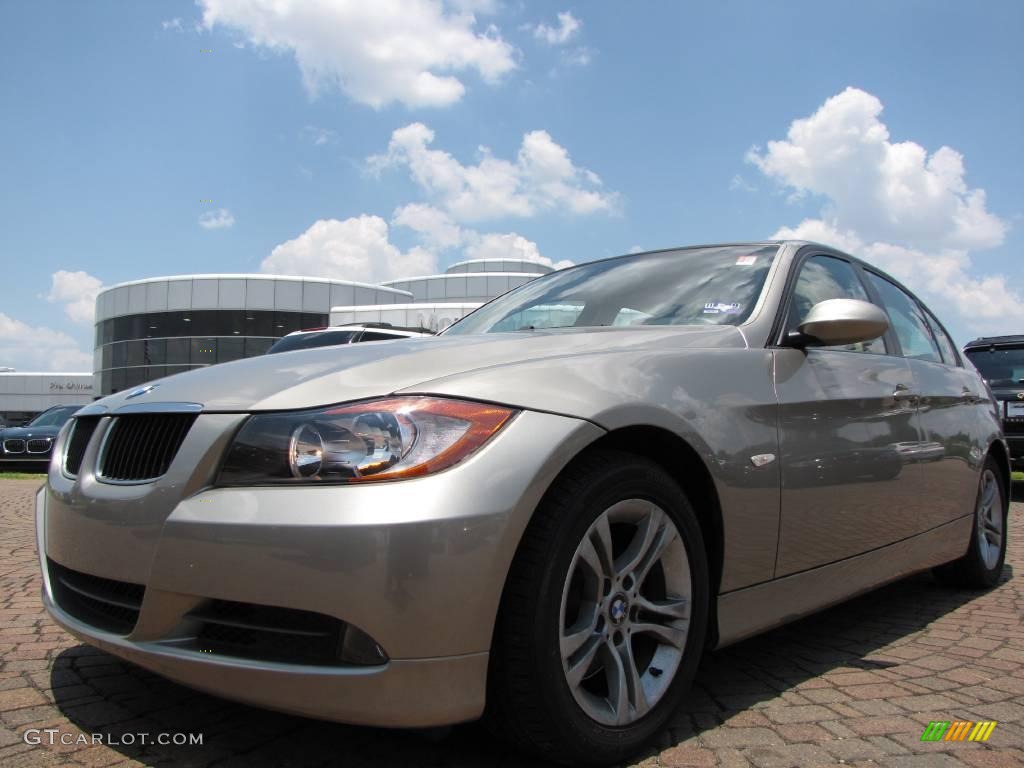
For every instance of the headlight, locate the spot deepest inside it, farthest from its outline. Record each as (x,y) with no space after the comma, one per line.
(387,439)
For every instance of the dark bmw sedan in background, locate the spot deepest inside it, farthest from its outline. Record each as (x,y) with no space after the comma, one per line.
(1000,360)
(32,444)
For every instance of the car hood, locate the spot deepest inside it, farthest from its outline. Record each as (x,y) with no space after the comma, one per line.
(27,432)
(314,377)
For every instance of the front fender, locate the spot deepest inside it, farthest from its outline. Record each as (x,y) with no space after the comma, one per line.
(721,402)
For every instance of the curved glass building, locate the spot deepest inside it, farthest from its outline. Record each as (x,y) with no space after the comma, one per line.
(148,329)
(156,327)
(479,280)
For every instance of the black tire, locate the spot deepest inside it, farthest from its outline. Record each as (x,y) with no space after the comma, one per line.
(529,699)
(971,571)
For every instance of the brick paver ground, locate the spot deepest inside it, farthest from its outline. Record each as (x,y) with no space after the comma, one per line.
(854,685)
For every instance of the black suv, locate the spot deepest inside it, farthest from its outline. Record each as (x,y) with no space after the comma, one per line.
(1000,359)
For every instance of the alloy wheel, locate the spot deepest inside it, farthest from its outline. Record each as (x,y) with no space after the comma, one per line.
(989,519)
(625,612)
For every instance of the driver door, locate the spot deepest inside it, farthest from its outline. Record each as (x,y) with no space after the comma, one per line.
(846,419)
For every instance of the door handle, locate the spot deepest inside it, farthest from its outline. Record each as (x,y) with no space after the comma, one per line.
(968,397)
(904,393)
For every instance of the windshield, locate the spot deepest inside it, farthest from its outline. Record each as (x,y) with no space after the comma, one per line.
(1001,366)
(697,286)
(55,417)
(310,340)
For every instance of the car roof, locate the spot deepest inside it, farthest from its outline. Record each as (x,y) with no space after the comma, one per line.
(995,341)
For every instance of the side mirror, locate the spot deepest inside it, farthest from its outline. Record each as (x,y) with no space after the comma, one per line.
(841,321)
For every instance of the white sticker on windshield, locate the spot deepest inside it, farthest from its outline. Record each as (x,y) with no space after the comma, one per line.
(721,308)
(746,261)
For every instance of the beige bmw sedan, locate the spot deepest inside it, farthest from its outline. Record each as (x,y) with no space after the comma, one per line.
(541,517)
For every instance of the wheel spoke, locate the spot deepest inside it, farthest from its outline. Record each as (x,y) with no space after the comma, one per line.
(671,635)
(588,554)
(577,634)
(643,540)
(634,686)
(618,687)
(664,538)
(602,541)
(579,668)
(988,494)
(673,608)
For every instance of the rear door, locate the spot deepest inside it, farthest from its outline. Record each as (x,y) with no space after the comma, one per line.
(943,461)
(844,414)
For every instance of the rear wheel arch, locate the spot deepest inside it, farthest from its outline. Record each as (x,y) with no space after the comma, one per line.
(997,450)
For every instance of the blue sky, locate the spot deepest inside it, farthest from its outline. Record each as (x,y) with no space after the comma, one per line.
(372,140)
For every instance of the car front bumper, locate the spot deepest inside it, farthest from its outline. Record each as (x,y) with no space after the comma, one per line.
(417,565)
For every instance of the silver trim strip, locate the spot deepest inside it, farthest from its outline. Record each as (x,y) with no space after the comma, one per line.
(158,408)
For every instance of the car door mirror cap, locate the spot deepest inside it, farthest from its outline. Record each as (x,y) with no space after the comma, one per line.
(836,322)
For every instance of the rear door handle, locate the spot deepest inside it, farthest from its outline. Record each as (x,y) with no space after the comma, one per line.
(904,393)
(968,397)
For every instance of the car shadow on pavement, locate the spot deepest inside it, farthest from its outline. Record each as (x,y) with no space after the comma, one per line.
(100,694)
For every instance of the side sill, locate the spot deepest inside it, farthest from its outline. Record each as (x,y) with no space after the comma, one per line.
(750,611)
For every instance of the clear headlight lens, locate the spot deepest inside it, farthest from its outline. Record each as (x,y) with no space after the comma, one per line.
(386,439)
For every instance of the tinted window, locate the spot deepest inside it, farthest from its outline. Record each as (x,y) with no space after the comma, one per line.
(907,321)
(946,346)
(177,351)
(378,336)
(696,286)
(207,322)
(55,417)
(204,351)
(823,278)
(230,349)
(311,340)
(1001,366)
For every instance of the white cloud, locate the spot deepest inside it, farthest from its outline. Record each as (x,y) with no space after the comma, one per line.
(317,136)
(171,24)
(218,219)
(434,226)
(34,347)
(437,230)
(577,57)
(77,292)
(509,246)
(357,248)
(908,211)
(542,177)
(375,52)
(737,182)
(568,26)
(897,191)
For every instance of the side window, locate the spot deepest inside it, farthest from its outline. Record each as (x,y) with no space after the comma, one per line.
(907,321)
(946,345)
(822,278)
(378,336)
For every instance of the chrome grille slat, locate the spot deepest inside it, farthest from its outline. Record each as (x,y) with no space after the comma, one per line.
(140,447)
(81,432)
